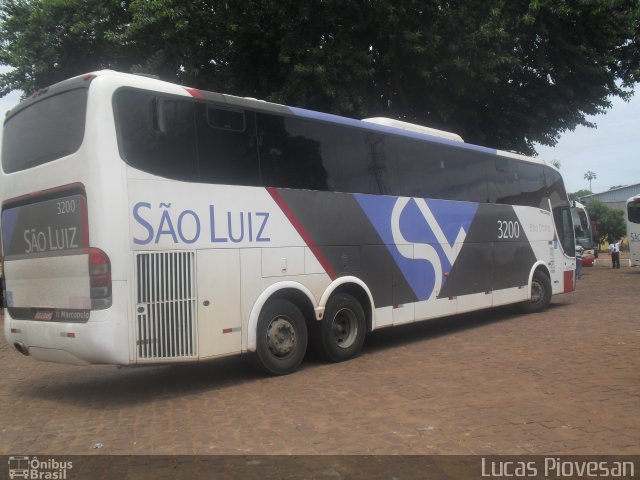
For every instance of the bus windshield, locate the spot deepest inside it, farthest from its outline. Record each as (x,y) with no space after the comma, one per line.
(633,209)
(582,228)
(44,131)
(633,229)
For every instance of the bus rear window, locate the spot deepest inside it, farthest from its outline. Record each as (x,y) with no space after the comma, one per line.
(44,131)
(633,209)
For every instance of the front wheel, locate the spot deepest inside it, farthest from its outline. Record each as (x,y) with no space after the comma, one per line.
(281,337)
(540,293)
(340,334)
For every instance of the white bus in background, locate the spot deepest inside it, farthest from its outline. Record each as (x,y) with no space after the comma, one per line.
(145,222)
(583,230)
(633,229)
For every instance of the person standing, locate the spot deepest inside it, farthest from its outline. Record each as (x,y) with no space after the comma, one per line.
(579,251)
(614,248)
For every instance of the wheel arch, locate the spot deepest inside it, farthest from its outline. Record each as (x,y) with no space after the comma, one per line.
(355,287)
(538,266)
(295,292)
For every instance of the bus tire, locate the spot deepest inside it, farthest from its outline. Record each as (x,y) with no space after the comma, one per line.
(340,334)
(540,293)
(281,337)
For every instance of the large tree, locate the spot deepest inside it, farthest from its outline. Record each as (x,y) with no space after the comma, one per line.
(48,41)
(501,73)
(610,224)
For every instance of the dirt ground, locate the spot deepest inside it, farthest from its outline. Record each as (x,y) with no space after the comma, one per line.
(565,381)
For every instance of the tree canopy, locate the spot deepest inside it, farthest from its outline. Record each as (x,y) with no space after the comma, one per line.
(501,73)
(610,224)
(579,194)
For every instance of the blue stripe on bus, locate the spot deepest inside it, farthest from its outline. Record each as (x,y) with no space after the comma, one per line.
(350,122)
(451,217)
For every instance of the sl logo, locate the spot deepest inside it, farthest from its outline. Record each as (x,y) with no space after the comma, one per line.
(425,251)
(421,235)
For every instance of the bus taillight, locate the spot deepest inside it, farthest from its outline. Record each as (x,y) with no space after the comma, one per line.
(100,278)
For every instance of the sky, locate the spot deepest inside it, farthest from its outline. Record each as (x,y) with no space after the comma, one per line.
(611,151)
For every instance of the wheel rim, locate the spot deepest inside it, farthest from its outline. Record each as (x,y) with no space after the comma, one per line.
(281,337)
(344,328)
(537,291)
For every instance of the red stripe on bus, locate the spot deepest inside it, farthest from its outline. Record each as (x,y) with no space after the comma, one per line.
(29,196)
(568,281)
(302,232)
(195,93)
(85,222)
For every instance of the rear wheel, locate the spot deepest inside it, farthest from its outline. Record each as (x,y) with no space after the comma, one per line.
(281,337)
(340,334)
(540,293)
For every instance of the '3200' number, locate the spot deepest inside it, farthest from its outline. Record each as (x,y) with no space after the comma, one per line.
(508,229)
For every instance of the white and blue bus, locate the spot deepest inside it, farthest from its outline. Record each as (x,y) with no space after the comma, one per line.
(146,222)
(633,229)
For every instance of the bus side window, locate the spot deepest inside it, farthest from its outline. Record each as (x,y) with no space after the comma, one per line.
(157,134)
(561,210)
(502,181)
(226,119)
(532,185)
(227,146)
(294,152)
(421,169)
(363,161)
(564,226)
(555,191)
(466,176)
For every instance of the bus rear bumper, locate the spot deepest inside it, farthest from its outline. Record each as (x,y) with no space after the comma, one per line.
(104,339)
(71,343)
(55,355)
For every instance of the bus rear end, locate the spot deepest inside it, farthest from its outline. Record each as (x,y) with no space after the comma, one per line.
(633,230)
(58,286)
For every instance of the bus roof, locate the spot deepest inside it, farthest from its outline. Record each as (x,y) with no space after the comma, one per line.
(381,125)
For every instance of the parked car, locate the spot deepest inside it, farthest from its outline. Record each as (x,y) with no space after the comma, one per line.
(588,258)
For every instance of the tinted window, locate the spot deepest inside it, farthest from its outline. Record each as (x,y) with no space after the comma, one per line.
(560,208)
(226,119)
(466,176)
(157,134)
(295,153)
(634,212)
(555,188)
(227,146)
(562,218)
(532,185)
(363,162)
(421,169)
(188,140)
(44,131)
(502,181)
